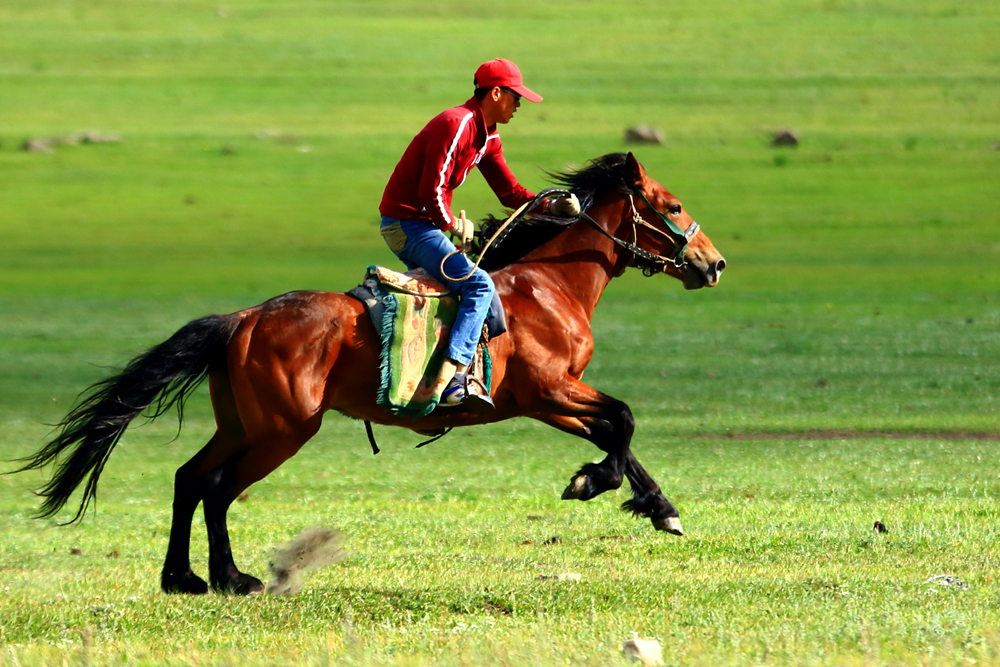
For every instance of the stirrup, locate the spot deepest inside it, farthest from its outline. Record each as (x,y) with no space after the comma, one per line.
(458,394)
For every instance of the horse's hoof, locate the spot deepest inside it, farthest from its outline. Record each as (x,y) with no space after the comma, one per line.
(189,583)
(671,524)
(577,489)
(241,584)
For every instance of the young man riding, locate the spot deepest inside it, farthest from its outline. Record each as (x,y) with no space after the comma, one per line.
(416,207)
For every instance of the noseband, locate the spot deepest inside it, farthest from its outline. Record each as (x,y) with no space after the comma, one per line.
(649,262)
(680,238)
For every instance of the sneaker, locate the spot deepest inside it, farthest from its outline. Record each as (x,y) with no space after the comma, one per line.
(458,393)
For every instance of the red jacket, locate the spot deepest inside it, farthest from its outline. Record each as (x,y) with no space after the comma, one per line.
(438,160)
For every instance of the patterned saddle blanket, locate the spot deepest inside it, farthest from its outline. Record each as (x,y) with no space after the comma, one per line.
(413,314)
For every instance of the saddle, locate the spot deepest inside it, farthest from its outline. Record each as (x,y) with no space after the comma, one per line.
(413,314)
(420,283)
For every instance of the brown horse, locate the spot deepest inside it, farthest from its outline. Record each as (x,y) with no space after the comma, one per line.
(275,369)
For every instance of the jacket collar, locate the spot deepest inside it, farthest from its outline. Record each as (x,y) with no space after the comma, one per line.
(476,108)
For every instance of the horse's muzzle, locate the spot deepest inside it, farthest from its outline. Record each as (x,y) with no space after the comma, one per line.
(699,273)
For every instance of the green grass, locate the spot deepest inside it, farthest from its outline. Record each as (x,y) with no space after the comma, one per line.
(781,557)
(845,370)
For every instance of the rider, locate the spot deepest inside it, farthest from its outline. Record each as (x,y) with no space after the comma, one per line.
(416,206)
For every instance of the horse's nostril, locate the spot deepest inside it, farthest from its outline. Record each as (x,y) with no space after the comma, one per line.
(720,266)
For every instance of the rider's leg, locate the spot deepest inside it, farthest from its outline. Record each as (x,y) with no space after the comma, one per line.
(420,243)
(476,296)
(449,367)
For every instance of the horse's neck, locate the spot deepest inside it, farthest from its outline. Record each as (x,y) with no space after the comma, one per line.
(579,263)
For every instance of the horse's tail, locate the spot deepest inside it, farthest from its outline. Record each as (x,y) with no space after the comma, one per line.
(161,377)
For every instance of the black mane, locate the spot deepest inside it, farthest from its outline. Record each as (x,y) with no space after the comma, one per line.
(600,176)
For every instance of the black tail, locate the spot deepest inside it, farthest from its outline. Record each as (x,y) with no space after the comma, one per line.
(162,377)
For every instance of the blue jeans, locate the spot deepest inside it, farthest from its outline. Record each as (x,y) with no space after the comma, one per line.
(421,244)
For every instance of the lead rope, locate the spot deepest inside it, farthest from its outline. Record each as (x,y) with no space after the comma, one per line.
(513,217)
(483,253)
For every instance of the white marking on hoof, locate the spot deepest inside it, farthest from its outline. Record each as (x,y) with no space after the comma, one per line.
(575,488)
(671,524)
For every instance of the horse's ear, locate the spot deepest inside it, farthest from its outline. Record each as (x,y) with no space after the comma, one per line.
(634,172)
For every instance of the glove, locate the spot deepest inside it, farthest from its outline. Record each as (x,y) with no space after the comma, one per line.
(564,206)
(463,229)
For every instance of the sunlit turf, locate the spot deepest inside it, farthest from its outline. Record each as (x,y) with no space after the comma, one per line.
(448,543)
(844,371)
(780,556)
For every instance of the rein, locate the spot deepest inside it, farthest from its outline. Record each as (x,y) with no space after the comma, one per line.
(656,263)
(514,217)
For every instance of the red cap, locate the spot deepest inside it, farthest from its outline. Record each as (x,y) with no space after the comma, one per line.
(504,73)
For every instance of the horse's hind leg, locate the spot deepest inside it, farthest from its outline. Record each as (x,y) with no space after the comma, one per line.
(224,485)
(222,489)
(177,576)
(279,363)
(191,485)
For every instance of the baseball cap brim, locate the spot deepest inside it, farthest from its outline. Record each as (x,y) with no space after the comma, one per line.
(504,73)
(526,93)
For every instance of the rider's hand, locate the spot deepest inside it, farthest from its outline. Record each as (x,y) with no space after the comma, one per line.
(565,206)
(463,229)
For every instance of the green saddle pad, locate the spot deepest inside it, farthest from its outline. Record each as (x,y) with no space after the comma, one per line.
(415,331)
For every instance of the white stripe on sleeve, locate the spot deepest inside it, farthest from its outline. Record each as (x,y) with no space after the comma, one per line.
(445,213)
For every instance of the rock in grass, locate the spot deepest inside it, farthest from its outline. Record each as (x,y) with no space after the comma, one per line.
(93,137)
(37,146)
(47,145)
(947,580)
(65,140)
(646,651)
(643,134)
(311,550)
(784,138)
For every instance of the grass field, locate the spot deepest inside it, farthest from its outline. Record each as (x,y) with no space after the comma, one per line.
(844,371)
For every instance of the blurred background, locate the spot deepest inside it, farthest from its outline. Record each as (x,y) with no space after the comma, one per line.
(163,160)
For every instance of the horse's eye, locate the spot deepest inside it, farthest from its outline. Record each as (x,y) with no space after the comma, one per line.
(674,209)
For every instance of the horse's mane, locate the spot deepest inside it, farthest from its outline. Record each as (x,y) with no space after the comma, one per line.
(600,176)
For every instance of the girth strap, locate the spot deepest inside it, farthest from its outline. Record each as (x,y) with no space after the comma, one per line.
(376,450)
(371,437)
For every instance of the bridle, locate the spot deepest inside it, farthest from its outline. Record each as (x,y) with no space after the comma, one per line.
(649,262)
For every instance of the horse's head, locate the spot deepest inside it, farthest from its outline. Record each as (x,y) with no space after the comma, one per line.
(662,225)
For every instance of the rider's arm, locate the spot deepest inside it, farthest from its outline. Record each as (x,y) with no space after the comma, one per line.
(500,178)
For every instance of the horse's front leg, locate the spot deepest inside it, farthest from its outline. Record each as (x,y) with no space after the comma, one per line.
(593,479)
(648,500)
(607,423)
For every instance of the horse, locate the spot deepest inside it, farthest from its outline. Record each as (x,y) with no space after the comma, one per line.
(273,370)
